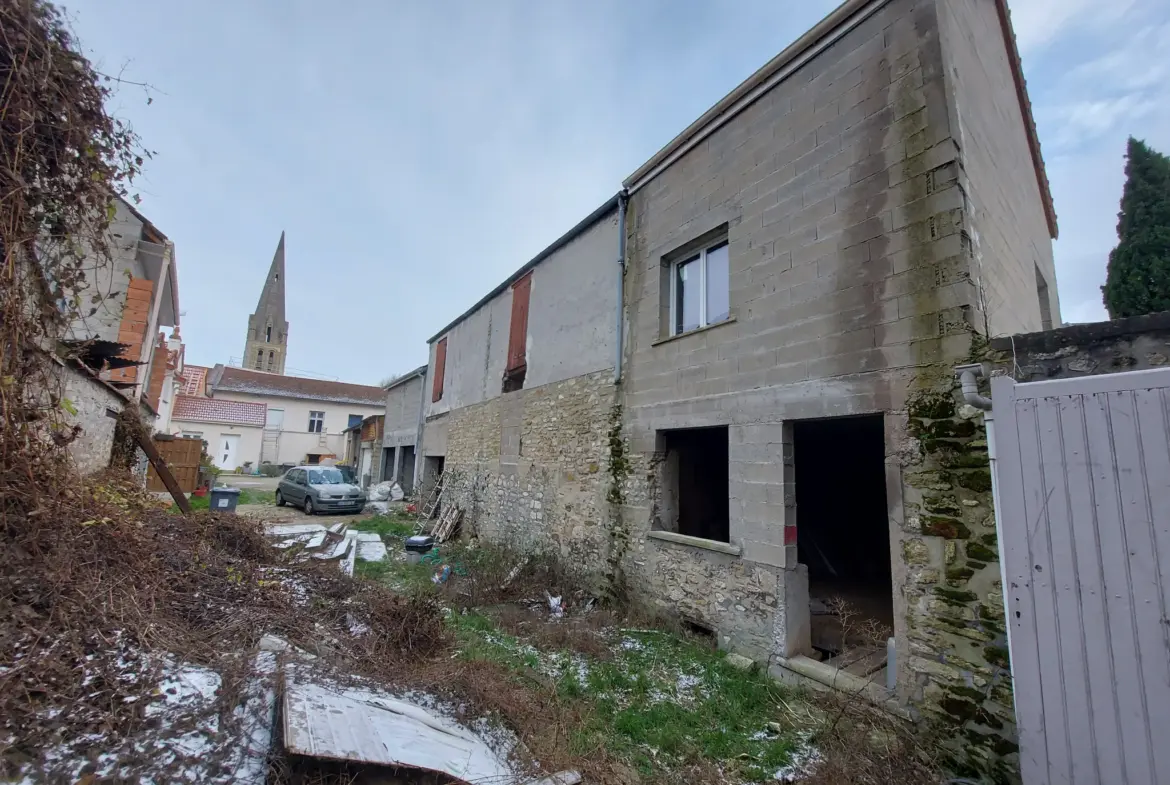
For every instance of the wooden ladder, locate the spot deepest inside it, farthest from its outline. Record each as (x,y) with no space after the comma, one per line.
(427,509)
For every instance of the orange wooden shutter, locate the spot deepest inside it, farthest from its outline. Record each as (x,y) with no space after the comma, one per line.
(518,336)
(132,330)
(440,368)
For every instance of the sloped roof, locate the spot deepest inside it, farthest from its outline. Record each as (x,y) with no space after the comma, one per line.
(231,379)
(196,408)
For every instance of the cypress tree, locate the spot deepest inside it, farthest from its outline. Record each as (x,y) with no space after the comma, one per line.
(1138,280)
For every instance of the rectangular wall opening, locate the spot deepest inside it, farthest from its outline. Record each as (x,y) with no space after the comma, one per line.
(843,537)
(695,499)
(406,469)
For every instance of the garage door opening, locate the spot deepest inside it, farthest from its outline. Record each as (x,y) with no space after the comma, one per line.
(843,537)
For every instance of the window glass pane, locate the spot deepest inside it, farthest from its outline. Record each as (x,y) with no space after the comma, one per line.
(718,282)
(687,294)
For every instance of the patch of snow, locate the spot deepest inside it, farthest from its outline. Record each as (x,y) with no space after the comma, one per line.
(803,762)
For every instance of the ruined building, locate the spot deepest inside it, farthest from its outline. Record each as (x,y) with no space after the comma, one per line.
(729,390)
(264,348)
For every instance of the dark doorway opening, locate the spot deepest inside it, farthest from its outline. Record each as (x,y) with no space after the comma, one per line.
(406,469)
(695,499)
(843,537)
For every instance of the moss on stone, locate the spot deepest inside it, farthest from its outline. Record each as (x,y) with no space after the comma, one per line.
(955,596)
(962,458)
(979,481)
(997,656)
(943,504)
(931,406)
(976,565)
(959,573)
(981,552)
(942,526)
(954,429)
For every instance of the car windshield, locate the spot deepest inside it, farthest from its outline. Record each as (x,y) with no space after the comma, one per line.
(325,477)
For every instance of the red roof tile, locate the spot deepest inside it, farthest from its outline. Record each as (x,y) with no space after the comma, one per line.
(196,408)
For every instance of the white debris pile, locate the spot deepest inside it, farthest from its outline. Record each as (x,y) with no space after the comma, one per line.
(337,543)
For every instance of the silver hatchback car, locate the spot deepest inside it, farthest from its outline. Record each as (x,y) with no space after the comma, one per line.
(319,489)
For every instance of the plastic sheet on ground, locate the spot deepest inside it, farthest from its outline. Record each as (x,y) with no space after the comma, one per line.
(373,727)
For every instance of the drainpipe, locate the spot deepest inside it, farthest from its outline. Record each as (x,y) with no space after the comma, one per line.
(623,198)
(968,378)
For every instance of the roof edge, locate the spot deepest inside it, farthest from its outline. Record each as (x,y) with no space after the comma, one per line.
(406,377)
(1017,66)
(844,18)
(605,209)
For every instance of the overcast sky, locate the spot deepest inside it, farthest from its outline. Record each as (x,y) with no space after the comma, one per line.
(418,153)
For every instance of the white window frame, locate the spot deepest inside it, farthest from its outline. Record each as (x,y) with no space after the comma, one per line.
(701,256)
(320,420)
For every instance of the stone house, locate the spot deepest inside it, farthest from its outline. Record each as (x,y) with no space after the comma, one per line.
(730,389)
(253,417)
(138,295)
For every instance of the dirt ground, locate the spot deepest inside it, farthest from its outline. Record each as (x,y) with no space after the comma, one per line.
(273,514)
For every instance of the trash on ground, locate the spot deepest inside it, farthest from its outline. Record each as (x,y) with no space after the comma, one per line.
(554,606)
(442,575)
(373,727)
(337,543)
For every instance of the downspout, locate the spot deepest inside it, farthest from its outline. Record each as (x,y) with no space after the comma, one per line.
(623,198)
(968,378)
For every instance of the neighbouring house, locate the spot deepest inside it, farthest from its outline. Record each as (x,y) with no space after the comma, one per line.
(111,356)
(166,380)
(138,294)
(403,406)
(251,418)
(363,449)
(730,389)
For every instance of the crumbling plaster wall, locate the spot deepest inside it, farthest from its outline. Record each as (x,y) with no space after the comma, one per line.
(97,408)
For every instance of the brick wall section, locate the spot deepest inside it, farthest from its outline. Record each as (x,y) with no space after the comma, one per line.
(132,330)
(1010,236)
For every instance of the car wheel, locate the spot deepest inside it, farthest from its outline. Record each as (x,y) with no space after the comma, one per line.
(309,506)
(279,499)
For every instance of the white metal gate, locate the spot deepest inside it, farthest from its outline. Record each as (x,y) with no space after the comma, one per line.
(1083,480)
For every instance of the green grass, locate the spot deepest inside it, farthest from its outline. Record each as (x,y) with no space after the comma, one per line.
(662,702)
(399,526)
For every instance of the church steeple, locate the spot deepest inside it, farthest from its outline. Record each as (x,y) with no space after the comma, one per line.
(267,339)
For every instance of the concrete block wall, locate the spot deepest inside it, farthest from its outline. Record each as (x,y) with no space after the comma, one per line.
(850,287)
(572,319)
(1010,241)
(403,407)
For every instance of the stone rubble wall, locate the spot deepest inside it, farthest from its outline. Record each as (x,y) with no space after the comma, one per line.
(530,469)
